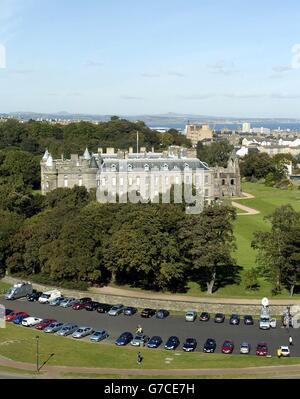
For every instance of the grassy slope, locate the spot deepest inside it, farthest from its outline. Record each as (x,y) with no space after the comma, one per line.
(19,343)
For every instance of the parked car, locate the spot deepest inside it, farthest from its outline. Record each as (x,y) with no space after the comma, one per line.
(204,316)
(99,335)
(210,345)
(148,312)
(285,351)
(190,315)
(31,321)
(162,314)
(19,290)
(248,320)
(190,345)
(227,347)
(262,349)
(67,329)
(139,340)
(81,303)
(67,302)
(172,343)
(154,342)
(48,296)
(18,319)
(34,296)
(116,310)
(90,306)
(219,318)
(53,327)
(82,332)
(245,348)
(14,314)
(44,323)
(234,319)
(129,311)
(57,301)
(104,308)
(124,339)
(7,312)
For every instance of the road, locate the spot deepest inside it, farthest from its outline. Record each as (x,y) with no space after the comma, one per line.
(172,325)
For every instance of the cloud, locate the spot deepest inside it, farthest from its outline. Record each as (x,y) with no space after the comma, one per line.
(150,75)
(204,96)
(282,68)
(244,95)
(130,98)
(223,68)
(284,96)
(93,64)
(176,74)
(74,94)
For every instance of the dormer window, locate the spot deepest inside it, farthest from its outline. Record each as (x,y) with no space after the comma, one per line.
(166,166)
(186,166)
(113,168)
(129,168)
(146,167)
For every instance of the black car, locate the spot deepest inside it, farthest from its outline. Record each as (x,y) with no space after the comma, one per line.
(129,311)
(154,342)
(147,312)
(219,318)
(172,343)
(92,306)
(104,307)
(209,346)
(124,339)
(204,316)
(248,320)
(162,314)
(34,296)
(190,345)
(234,319)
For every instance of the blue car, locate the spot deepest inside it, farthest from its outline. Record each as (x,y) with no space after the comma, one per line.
(124,339)
(19,319)
(99,335)
(154,342)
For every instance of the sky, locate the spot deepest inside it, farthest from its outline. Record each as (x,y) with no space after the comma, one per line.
(131,57)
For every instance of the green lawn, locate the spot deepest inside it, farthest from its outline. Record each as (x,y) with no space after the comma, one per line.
(19,343)
(3,287)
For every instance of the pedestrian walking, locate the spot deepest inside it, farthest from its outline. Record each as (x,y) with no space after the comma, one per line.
(139,358)
(279,353)
(290,340)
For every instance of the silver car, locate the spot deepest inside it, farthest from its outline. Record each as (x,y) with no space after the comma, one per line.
(68,302)
(140,340)
(82,332)
(245,348)
(99,335)
(190,315)
(57,301)
(116,310)
(67,329)
(53,327)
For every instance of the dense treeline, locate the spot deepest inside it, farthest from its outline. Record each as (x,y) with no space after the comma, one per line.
(75,240)
(34,136)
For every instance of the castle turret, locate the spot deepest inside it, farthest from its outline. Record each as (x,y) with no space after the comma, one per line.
(87,155)
(46,155)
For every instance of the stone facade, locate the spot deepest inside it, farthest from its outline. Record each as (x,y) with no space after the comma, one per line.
(168,167)
(198,133)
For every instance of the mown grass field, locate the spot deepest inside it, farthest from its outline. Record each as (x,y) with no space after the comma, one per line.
(19,343)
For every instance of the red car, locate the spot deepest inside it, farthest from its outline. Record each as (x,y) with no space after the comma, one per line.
(227,347)
(45,323)
(262,349)
(81,304)
(14,314)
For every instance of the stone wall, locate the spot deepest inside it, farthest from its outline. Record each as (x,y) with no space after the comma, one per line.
(175,305)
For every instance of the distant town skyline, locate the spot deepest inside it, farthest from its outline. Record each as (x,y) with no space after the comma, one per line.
(203,57)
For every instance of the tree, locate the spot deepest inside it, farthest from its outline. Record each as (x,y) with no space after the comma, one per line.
(216,153)
(207,242)
(257,165)
(251,279)
(278,249)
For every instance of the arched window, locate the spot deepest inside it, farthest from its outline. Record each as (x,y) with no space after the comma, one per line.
(66,181)
(232,182)
(223,182)
(166,166)
(113,168)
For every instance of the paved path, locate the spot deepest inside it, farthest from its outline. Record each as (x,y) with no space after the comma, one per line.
(248,211)
(59,371)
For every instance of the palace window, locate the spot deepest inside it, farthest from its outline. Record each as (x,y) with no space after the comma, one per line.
(206,193)
(206,179)
(79,181)
(129,167)
(146,167)
(113,168)
(232,182)
(66,183)
(223,182)
(166,167)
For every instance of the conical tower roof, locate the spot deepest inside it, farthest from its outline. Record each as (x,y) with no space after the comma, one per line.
(49,161)
(87,155)
(46,155)
(93,163)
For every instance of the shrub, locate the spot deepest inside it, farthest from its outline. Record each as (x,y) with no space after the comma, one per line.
(251,279)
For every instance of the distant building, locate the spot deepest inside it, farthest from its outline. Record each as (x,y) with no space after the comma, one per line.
(198,133)
(246,127)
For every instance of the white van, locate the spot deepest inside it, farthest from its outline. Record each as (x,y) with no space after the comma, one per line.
(48,296)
